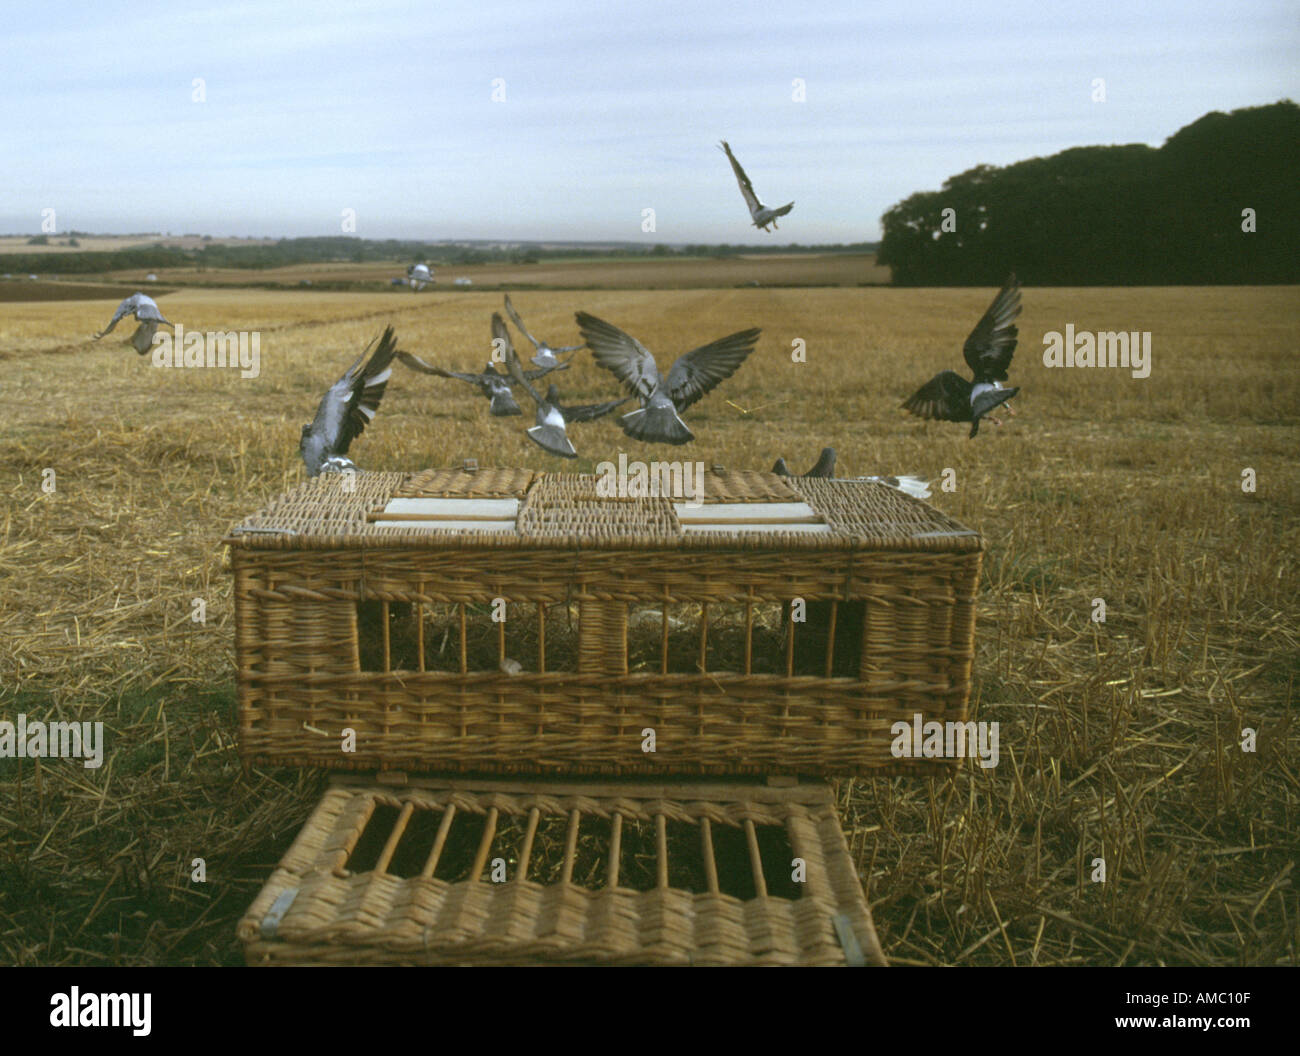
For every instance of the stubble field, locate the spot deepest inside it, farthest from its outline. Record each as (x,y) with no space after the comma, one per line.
(1119,740)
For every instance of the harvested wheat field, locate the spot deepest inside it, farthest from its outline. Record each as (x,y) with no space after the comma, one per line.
(1119,740)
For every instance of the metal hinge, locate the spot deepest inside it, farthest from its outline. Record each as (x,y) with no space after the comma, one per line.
(271,922)
(853,955)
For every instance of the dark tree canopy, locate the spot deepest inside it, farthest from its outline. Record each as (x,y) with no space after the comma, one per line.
(1120,215)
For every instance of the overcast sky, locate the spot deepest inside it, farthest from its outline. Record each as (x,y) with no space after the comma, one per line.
(610,108)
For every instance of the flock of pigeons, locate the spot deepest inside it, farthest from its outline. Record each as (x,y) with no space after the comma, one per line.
(352,401)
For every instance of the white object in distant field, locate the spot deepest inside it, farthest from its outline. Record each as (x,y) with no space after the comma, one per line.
(419,276)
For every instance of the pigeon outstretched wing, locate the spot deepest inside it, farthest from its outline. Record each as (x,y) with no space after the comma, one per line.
(701,369)
(500,333)
(621,354)
(143,308)
(361,389)
(946,397)
(127,307)
(541,372)
(588,412)
(519,323)
(746,188)
(992,343)
(414,362)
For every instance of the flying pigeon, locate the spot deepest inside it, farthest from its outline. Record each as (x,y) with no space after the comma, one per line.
(491,383)
(950,397)
(347,409)
(552,416)
(146,313)
(545,353)
(825,467)
(419,276)
(762,214)
(693,375)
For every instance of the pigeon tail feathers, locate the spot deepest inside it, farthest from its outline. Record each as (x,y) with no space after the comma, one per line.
(553,439)
(503,405)
(656,425)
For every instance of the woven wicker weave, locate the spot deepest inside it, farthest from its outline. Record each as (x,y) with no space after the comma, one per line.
(476,484)
(596,874)
(745,485)
(618,619)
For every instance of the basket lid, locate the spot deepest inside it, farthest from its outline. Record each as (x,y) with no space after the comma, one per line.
(663,506)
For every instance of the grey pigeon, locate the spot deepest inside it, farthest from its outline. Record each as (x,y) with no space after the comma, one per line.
(347,409)
(951,398)
(146,312)
(552,417)
(496,387)
(491,383)
(760,213)
(581,412)
(545,353)
(693,375)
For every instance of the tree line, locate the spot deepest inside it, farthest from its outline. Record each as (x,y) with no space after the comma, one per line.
(1215,204)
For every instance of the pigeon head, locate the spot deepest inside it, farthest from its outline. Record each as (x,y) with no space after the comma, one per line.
(552,393)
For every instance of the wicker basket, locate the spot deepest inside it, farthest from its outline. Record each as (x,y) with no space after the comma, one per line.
(511,622)
(463,872)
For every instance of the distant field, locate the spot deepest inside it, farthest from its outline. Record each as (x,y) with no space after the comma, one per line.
(611,273)
(1118,740)
(104,243)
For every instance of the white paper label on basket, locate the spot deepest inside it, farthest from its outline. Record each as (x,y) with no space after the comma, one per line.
(764,517)
(754,512)
(462,515)
(444,526)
